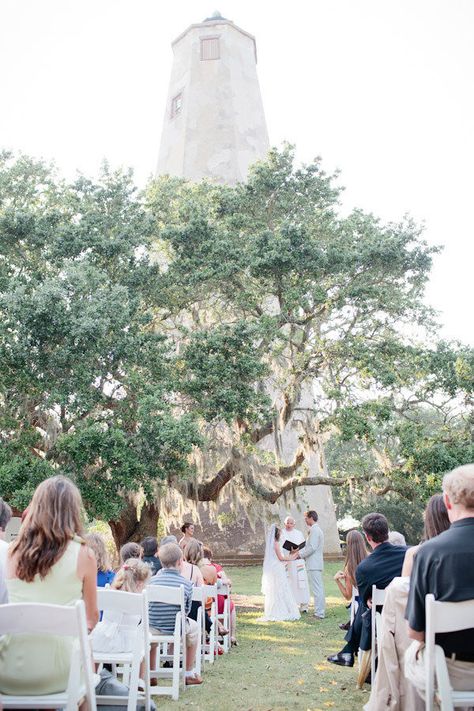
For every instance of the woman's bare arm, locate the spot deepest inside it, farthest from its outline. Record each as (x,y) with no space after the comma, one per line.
(279,554)
(87,572)
(408,561)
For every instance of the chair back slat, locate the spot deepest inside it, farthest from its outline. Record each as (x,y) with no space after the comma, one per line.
(120,601)
(169,596)
(452,616)
(39,618)
(198,595)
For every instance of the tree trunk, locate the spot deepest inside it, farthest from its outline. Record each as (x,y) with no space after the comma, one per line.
(131,528)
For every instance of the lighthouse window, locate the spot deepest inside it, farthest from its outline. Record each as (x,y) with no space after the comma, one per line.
(210,48)
(176,105)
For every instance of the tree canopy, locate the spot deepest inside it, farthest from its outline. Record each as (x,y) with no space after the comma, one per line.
(137,330)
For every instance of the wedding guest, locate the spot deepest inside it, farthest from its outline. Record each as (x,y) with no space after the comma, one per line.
(396,538)
(444,566)
(223,578)
(436,521)
(192,556)
(5,516)
(187,530)
(105,574)
(191,571)
(391,688)
(117,631)
(379,568)
(356,552)
(150,547)
(130,550)
(167,539)
(48,562)
(162,615)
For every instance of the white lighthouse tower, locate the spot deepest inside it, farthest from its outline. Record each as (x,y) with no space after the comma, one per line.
(214,125)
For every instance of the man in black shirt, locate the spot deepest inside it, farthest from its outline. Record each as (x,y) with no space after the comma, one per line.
(380,568)
(444,566)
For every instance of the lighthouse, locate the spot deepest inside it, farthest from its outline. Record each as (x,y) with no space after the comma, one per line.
(214,125)
(214,128)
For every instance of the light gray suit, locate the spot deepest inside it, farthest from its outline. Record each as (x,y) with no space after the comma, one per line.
(312,554)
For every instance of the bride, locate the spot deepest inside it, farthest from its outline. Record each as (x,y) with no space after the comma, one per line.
(280,603)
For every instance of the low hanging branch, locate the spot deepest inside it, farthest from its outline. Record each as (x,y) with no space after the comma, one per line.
(272,495)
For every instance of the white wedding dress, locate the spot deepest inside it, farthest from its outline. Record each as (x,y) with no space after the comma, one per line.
(280,603)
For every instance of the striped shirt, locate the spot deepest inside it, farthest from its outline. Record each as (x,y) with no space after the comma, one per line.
(161,614)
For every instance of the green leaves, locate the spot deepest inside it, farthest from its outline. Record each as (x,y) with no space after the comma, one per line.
(223,366)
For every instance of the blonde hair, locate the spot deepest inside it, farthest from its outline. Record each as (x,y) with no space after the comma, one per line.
(193,552)
(52,521)
(97,544)
(128,577)
(170,554)
(459,486)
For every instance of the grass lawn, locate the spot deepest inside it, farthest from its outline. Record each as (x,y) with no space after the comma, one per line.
(277,665)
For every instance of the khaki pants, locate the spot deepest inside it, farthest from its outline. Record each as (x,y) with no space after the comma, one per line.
(192,632)
(461,674)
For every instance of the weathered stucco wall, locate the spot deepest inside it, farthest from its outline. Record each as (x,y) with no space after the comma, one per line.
(219,129)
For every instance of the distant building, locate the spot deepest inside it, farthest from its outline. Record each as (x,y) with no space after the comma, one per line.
(214,124)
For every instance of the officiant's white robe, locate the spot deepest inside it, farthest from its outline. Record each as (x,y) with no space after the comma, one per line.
(297,568)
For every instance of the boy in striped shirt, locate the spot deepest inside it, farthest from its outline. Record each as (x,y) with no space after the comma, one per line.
(162,615)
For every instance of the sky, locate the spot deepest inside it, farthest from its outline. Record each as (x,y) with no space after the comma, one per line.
(383,90)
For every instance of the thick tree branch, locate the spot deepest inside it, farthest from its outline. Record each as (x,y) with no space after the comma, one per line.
(272,495)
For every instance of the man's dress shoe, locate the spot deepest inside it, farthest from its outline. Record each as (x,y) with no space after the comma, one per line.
(344,659)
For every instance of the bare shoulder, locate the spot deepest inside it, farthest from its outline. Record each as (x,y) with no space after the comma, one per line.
(86,561)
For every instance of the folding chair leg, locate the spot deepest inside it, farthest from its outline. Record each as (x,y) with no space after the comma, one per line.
(442,680)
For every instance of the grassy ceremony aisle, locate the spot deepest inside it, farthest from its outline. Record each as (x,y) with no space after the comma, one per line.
(277,665)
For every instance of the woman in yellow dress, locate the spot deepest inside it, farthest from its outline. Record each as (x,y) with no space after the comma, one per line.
(49,563)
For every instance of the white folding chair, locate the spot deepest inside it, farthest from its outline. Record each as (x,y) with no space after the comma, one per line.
(354,603)
(378,598)
(170,596)
(444,617)
(210,647)
(224,617)
(201,623)
(128,603)
(59,621)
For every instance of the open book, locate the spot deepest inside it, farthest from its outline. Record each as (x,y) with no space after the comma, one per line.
(289,546)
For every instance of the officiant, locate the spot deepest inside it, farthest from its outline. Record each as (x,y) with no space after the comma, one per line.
(296,568)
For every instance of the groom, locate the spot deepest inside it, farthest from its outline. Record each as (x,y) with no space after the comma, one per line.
(312,554)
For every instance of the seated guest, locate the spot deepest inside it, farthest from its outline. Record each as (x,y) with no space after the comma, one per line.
(163,615)
(436,521)
(150,547)
(444,566)
(190,565)
(191,571)
(188,534)
(5,516)
(105,574)
(356,552)
(225,580)
(167,539)
(117,631)
(130,550)
(396,538)
(379,568)
(48,562)
(391,689)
